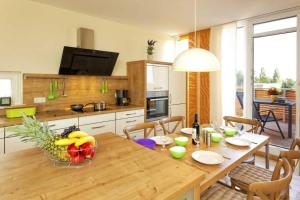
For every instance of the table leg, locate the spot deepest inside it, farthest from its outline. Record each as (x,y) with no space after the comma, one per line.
(267,155)
(197,192)
(290,121)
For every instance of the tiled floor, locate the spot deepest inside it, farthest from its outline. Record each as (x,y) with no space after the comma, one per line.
(275,137)
(295,184)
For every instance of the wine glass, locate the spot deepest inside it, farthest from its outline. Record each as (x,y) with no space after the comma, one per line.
(164,140)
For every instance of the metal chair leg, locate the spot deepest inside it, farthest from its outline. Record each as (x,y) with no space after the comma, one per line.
(276,121)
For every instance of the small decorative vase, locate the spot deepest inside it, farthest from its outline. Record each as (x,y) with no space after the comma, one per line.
(274,97)
(149,57)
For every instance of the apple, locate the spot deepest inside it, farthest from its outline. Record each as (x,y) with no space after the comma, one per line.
(77,159)
(73,150)
(87,150)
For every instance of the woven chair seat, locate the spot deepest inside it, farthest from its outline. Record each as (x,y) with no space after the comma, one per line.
(245,174)
(221,192)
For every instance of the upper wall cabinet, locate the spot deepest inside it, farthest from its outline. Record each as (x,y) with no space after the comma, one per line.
(177,87)
(157,77)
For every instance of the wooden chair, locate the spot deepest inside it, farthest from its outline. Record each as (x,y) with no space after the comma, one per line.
(178,119)
(254,123)
(246,174)
(233,121)
(148,127)
(275,189)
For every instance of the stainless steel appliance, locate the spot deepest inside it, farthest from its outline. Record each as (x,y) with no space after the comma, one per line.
(122,98)
(157,105)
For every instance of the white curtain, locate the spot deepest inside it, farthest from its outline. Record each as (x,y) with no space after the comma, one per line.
(223,82)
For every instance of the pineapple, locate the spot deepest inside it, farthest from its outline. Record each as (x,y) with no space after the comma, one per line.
(39,133)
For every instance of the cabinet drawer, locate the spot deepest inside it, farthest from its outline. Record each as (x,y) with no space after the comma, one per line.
(13,144)
(98,128)
(121,124)
(61,124)
(132,113)
(1,133)
(96,118)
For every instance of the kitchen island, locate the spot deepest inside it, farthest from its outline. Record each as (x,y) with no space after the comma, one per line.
(121,169)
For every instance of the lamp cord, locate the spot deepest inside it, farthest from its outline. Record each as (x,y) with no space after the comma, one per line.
(195,22)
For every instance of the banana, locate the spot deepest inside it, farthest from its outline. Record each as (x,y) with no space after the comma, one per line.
(64,142)
(86,139)
(77,134)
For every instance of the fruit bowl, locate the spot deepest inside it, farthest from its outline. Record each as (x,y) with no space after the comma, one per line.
(72,148)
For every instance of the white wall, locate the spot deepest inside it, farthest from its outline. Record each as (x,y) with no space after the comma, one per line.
(32,37)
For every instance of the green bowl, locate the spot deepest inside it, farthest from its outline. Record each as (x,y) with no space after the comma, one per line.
(216,137)
(181,141)
(230,131)
(177,152)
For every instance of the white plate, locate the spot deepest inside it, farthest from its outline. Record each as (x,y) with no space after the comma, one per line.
(207,157)
(188,131)
(160,140)
(238,141)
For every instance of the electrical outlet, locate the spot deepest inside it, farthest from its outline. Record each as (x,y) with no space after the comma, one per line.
(39,100)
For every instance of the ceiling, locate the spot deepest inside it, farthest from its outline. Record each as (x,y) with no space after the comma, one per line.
(173,16)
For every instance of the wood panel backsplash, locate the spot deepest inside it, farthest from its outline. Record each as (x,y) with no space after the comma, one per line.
(79,89)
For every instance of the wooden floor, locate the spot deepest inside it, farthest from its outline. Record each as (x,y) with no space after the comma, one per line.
(275,137)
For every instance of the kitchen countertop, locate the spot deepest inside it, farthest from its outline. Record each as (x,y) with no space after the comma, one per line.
(65,114)
(121,169)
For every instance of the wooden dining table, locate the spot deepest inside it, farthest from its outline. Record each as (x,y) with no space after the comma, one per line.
(233,156)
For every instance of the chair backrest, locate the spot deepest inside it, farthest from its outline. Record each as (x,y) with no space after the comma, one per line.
(278,187)
(148,127)
(178,119)
(295,144)
(234,121)
(240,96)
(293,156)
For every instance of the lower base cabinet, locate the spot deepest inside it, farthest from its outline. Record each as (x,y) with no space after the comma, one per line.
(101,127)
(122,123)
(13,144)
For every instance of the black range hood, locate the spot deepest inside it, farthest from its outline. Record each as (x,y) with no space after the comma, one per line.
(78,61)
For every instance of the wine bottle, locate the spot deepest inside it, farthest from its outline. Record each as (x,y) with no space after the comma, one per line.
(196,130)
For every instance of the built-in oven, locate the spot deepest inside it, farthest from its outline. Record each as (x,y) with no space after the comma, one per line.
(157,105)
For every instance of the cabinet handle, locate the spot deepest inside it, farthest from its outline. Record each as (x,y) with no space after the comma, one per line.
(170,98)
(130,121)
(52,125)
(96,127)
(130,113)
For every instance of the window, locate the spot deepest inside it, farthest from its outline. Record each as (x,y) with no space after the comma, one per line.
(276,25)
(181,45)
(10,86)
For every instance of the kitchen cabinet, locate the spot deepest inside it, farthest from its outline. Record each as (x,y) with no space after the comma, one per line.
(157,77)
(130,118)
(96,118)
(177,110)
(177,87)
(14,143)
(129,114)
(97,124)
(98,128)
(1,141)
(63,123)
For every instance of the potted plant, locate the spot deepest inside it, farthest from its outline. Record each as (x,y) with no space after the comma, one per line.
(150,49)
(274,92)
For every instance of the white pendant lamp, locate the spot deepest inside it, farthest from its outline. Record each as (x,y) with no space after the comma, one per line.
(196,59)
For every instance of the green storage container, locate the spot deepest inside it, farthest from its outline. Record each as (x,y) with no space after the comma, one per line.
(17,111)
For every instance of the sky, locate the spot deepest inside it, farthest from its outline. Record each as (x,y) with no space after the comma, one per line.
(276,51)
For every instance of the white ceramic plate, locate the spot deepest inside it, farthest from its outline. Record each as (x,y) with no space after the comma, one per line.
(188,131)
(238,141)
(207,157)
(160,140)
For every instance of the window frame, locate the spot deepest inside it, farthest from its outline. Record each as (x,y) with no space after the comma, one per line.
(16,82)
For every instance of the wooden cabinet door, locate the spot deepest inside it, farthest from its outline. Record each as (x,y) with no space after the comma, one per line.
(177,87)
